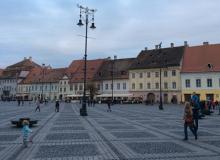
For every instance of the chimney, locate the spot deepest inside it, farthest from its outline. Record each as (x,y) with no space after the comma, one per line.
(30,58)
(185,44)
(145,48)
(171,45)
(156,46)
(205,43)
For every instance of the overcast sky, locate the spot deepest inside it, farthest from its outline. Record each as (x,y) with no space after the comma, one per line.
(47,30)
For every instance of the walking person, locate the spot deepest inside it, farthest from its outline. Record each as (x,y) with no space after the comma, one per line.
(38,105)
(188,121)
(57,106)
(196,107)
(26,130)
(109,106)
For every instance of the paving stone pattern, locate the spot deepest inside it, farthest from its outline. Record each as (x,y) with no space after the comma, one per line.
(129,132)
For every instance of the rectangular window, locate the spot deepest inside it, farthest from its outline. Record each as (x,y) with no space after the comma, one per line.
(98,87)
(106,86)
(174,85)
(133,75)
(133,85)
(71,87)
(156,74)
(157,85)
(165,73)
(111,86)
(60,89)
(165,85)
(80,87)
(198,83)
(148,86)
(140,85)
(173,72)
(148,74)
(209,82)
(64,90)
(187,83)
(124,86)
(118,86)
(141,75)
(76,87)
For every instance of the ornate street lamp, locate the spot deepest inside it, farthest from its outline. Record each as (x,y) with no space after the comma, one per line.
(113,62)
(42,83)
(161,101)
(87,12)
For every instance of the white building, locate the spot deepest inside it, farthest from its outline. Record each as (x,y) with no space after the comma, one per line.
(201,72)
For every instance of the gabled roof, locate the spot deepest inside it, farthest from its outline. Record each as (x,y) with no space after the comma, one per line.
(45,75)
(13,71)
(197,58)
(120,69)
(156,58)
(26,63)
(76,70)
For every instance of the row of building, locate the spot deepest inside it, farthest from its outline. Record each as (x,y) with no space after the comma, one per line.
(176,72)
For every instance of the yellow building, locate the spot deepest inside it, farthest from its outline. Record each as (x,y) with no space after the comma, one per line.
(145,81)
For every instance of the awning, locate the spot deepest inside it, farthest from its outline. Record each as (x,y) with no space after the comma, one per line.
(115,95)
(75,95)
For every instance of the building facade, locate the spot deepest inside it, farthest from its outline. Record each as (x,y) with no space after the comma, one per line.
(201,72)
(113,79)
(13,75)
(157,70)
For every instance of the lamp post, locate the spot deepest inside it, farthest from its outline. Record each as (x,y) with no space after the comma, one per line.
(113,61)
(87,12)
(42,83)
(161,101)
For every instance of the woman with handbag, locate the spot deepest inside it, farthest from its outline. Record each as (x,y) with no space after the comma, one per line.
(188,121)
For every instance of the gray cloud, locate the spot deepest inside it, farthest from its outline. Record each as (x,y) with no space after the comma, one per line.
(47,30)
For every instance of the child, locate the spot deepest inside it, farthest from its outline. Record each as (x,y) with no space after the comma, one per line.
(26,130)
(188,121)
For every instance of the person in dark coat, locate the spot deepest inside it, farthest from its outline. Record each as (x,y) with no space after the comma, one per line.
(109,106)
(195,109)
(57,106)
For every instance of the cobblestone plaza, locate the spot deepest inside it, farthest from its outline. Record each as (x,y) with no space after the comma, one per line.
(129,132)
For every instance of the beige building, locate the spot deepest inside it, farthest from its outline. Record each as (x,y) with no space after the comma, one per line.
(155,70)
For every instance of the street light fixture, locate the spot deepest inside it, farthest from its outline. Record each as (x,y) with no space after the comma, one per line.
(42,83)
(87,12)
(161,101)
(113,62)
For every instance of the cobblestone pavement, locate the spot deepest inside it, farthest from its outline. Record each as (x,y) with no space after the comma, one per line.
(129,132)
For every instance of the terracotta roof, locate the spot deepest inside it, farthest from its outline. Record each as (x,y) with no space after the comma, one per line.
(14,70)
(38,75)
(197,58)
(1,71)
(157,58)
(120,69)
(76,70)
(23,64)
